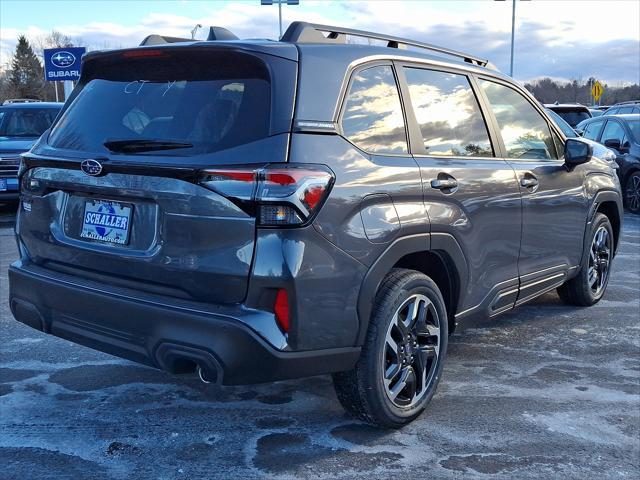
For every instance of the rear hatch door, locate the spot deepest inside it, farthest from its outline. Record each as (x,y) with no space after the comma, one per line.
(112,193)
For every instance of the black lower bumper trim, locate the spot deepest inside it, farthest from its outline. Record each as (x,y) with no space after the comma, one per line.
(159,335)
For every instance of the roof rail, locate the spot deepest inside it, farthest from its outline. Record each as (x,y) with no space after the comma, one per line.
(215,33)
(628,102)
(10,101)
(303,32)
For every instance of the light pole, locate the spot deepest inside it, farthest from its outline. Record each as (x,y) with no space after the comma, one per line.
(279,2)
(513,31)
(194,30)
(513,34)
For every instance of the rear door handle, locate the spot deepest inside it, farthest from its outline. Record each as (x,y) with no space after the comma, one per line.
(529,182)
(444,184)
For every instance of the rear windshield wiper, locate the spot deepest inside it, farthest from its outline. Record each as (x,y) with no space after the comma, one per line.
(143,145)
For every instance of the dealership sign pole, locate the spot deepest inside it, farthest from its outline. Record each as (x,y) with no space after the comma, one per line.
(63,64)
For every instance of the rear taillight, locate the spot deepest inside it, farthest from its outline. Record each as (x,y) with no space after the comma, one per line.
(277,195)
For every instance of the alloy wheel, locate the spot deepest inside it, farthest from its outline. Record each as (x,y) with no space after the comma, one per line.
(411,351)
(632,191)
(599,260)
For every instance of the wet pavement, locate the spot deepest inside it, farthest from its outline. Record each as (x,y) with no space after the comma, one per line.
(546,391)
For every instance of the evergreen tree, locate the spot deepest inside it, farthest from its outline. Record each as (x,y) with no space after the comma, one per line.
(27,77)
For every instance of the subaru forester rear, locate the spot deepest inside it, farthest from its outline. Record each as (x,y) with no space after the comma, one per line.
(258,210)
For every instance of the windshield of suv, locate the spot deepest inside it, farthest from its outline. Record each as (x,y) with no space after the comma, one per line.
(26,122)
(175,104)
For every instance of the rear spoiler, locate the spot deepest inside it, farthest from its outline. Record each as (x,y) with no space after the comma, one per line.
(215,33)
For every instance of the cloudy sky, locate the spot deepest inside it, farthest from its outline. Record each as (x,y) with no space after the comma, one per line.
(563,39)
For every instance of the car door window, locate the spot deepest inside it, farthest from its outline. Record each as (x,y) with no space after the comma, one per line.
(372,117)
(448,114)
(612,131)
(524,130)
(592,130)
(626,110)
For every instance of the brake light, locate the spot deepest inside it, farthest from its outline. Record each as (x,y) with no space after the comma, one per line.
(143,53)
(281,310)
(276,195)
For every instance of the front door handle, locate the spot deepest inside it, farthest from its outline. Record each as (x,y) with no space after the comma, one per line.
(529,182)
(444,184)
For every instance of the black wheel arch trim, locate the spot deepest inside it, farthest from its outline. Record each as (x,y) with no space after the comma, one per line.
(426,242)
(598,199)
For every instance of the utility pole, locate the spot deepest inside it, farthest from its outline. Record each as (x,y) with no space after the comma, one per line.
(280,2)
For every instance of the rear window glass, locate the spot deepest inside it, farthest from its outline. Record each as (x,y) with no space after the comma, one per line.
(573,117)
(200,102)
(372,117)
(26,122)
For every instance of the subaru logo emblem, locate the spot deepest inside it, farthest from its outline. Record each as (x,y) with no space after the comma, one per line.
(91,167)
(63,59)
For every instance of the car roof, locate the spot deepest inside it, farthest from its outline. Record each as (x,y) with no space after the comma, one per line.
(30,105)
(566,105)
(323,62)
(290,50)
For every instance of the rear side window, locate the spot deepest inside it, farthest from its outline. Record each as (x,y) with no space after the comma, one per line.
(448,114)
(592,130)
(612,131)
(626,110)
(372,117)
(634,126)
(524,131)
(204,102)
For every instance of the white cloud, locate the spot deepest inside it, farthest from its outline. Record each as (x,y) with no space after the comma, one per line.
(562,39)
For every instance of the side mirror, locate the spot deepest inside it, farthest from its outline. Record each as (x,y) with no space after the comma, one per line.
(613,143)
(576,152)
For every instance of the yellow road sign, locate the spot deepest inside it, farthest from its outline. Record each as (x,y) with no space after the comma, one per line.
(597,90)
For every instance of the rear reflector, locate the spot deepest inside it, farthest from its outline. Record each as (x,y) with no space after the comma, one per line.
(281,309)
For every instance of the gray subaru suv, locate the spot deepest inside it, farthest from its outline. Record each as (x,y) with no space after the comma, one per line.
(256,210)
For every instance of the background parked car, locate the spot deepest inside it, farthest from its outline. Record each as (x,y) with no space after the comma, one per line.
(620,133)
(564,126)
(21,124)
(572,113)
(624,107)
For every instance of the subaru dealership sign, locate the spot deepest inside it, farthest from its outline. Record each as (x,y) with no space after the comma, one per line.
(63,63)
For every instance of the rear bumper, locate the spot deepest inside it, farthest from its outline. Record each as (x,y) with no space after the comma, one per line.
(161,332)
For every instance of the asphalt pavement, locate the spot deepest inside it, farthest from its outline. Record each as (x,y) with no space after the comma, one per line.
(546,391)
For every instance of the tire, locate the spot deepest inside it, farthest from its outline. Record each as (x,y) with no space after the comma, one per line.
(596,260)
(422,343)
(632,193)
